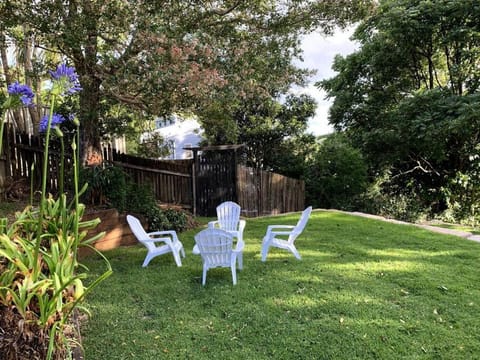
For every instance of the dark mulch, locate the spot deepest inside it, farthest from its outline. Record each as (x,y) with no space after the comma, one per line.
(22,339)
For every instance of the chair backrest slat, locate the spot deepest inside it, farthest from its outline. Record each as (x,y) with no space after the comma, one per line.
(215,247)
(228,214)
(139,231)
(302,222)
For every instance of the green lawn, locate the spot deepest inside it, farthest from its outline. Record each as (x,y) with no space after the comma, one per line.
(365,289)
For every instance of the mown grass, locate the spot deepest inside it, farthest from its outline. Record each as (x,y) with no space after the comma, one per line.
(365,289)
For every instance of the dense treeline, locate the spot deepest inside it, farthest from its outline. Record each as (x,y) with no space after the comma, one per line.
(409,101)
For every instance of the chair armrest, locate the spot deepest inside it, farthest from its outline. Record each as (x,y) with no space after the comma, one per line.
(212,224)
(272,227)
(157,235)
(241,226)
(160,233)
(166,240)
(280,233)
(239,247)
(273,230)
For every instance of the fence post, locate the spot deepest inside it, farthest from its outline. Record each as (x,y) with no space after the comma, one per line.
(194,182)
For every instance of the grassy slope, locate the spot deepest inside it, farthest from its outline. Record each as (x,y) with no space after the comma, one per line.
(365,289)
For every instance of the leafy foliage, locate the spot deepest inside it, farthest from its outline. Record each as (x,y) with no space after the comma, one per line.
(336,176)
(273,132)
(111,186)
(48,297)
(408,98)
(107,186)
(159,57)
(153,147)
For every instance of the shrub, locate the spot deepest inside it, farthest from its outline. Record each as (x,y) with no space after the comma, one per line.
(107,185)
(385,198)
(462,194)
(177,218)
(336,176)
(157,220)
(140,198)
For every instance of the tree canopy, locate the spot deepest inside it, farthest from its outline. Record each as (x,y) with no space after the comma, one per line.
(156,57)
(273,132)
(409,96)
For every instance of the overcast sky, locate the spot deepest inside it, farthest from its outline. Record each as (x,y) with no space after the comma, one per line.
(319,52)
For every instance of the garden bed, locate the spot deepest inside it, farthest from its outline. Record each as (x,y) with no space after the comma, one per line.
(115,226)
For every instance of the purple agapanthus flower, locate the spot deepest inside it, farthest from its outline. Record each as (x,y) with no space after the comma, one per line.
(23,92)
(56,120)
(66,79)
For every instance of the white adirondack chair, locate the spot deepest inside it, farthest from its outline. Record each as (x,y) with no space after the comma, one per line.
(290,232)
(228,219)
(170,241)
(216,249)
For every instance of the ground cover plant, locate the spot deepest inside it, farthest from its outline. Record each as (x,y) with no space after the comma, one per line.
(365,289)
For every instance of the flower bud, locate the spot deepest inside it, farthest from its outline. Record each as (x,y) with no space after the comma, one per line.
(58,131)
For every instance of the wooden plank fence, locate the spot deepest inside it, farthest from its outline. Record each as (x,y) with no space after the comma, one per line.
(197,185)
(214,179)
(170,180)
(265,193)
(24,159)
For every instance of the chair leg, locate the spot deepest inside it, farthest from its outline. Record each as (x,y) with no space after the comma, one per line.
(148,258)
(204,276)
(177,258)
(240,261)
(265,248)
(234,274)
(295,252)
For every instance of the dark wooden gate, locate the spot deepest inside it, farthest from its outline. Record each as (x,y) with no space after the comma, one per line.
(215,177)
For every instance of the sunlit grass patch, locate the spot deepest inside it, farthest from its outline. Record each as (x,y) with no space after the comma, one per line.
(364,289)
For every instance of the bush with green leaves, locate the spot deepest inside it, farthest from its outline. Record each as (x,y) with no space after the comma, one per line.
(140,198)
(385,198)
(107,185)
(157,221)
(110,185)
(463,193)
(336,176)
(177,219)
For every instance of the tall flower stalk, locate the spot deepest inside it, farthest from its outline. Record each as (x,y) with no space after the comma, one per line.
(44,183)
(65,82)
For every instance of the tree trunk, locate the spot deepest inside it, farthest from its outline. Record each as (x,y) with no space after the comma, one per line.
(4,58)
(91,150)
(29,79)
